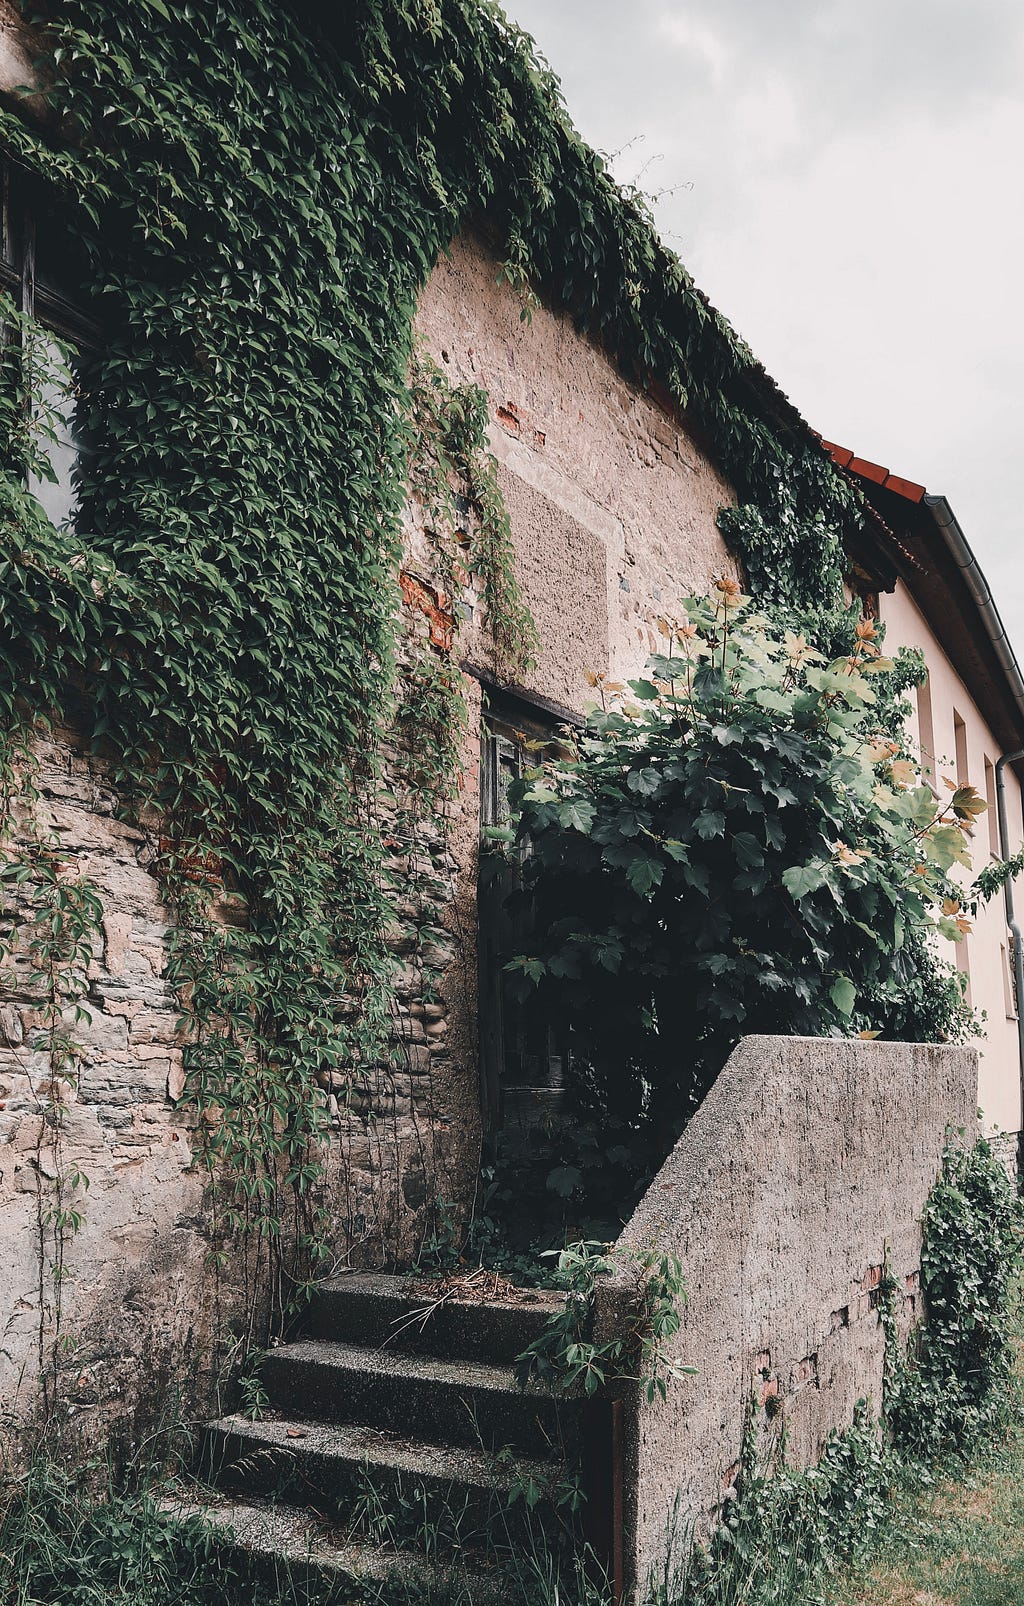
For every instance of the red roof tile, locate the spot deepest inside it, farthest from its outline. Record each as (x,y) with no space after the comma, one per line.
(868,471)
(907,488)
(844,458)
(838,454)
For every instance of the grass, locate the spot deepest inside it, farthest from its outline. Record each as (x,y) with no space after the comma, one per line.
(960,1543)
(88,1537)
(73,1540)
(956,1541)
(83,1538)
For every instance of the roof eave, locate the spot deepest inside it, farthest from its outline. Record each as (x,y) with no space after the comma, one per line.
(959,549)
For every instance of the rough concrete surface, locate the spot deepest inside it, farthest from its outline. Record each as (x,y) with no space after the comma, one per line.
(808,1159)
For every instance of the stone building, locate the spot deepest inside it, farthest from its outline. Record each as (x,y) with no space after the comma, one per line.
(613,489)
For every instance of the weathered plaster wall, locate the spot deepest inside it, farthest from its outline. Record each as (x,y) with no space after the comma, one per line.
(807,1158)
(613,506)
(141,1300)
(137,1298)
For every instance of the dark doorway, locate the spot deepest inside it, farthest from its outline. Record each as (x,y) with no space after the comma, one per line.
(524,1043)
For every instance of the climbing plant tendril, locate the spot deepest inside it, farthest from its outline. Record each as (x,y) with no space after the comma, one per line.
(261,199)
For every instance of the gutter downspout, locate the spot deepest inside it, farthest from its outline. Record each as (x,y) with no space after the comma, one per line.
(956,544)
(1014,927)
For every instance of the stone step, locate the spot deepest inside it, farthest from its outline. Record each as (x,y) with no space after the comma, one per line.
(430,1318)
(447,1402)
(423,1493)
(291,1549)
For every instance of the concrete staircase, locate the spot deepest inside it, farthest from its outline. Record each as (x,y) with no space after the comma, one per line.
(395,1441)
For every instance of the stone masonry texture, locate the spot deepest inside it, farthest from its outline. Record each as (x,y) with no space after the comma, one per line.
(613,514)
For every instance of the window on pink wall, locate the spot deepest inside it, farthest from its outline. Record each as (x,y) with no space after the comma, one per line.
(1008,999)
(926,731)
(960,748)
(963,965)
(993,815)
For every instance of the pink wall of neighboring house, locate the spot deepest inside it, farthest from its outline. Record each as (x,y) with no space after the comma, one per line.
(962,738)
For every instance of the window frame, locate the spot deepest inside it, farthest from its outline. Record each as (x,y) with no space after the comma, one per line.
(24,200)
(508,721)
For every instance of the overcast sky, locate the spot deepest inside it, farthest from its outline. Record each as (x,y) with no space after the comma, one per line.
(843,178)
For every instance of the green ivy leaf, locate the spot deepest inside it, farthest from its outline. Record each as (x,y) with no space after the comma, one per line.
(709,824)
(844,995)
(644,874)
(564,1180)
(576,815)
(800,880)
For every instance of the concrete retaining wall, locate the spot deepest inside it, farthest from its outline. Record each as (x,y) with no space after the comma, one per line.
(807,1158)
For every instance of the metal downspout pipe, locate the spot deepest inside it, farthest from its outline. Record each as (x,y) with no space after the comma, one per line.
(956,544)
(1013,925)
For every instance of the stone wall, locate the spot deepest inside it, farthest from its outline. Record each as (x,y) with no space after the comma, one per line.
(808,1159)
(136,1292)
(140,1301)
(613,517)
(613,504)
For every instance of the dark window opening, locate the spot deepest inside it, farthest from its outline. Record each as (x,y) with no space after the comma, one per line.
(960,750)
(926,732)
(524,1044)
(993,808)
(43,270)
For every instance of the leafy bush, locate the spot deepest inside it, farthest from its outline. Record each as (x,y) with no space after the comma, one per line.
(565,1356)
(956,1384)
(738,845)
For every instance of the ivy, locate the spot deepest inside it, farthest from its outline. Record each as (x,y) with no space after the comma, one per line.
(260,197)
(455,478)
(564,1355)
(734,847)
(955,1385)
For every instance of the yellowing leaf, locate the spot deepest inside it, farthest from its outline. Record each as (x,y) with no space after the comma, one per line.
(967,803)
(903,773)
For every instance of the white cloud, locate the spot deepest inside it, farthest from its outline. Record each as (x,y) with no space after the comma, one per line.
(696,39)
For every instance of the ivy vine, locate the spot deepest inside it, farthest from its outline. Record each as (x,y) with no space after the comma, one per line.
(261,195)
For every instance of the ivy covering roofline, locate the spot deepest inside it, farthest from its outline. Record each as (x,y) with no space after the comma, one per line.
(484,126)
